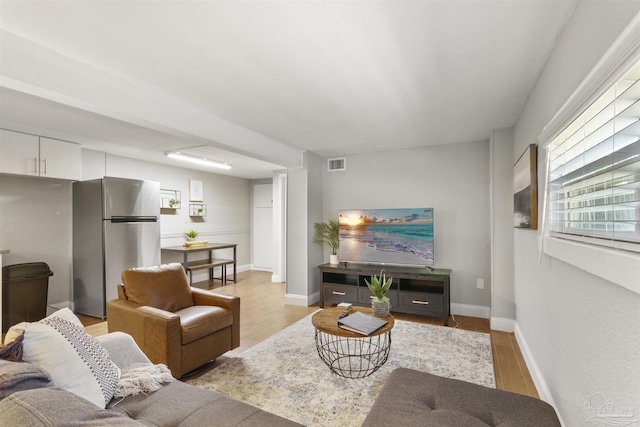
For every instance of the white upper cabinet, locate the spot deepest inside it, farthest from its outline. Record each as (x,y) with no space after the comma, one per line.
(19,153)
(24,154)
(60,159)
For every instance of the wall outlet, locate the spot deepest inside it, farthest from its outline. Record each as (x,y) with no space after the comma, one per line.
(480,283)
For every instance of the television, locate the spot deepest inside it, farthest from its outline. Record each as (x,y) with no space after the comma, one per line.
(387,236)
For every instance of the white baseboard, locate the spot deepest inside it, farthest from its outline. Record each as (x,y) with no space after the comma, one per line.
(534,370)
(253,267)
(470,310)
(302,300)
(276,279)
(502,324)
(241,268)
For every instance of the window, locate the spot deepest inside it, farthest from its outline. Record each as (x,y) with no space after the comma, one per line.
(594,170)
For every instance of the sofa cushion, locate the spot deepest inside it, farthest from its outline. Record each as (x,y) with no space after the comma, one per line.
(422,399)
(74,359)
(201,320)
(162,286)
(18,376)
(55,407)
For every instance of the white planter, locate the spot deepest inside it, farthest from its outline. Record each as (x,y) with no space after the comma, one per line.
(380,308)
(333,260)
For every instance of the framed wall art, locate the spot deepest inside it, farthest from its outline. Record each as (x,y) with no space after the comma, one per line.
(525,190)
(196,190)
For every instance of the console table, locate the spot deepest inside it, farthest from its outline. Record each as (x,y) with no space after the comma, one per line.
(210,262)
(413,290)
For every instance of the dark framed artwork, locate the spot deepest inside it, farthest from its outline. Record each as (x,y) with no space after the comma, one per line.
(525,190)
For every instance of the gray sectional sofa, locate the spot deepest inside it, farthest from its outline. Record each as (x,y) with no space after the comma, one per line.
(409,398)
(29,399)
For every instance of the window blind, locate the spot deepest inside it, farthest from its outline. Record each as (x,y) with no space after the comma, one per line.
(594,170)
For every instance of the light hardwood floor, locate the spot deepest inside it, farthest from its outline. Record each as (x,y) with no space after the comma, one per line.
(263,313)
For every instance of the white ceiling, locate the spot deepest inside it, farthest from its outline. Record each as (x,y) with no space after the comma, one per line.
(331,77)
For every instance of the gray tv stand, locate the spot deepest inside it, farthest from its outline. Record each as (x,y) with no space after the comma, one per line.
(414,290)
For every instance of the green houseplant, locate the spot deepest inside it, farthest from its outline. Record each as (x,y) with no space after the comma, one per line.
(191,234)
(328,233)
(379,286)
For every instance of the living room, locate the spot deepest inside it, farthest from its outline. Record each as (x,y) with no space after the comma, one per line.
(547,302)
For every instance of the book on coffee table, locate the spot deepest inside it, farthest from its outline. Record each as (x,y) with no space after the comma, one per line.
(361,323)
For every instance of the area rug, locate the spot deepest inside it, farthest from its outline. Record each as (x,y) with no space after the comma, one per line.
(285,376)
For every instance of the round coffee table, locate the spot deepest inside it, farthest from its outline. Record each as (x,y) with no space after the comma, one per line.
(346,353)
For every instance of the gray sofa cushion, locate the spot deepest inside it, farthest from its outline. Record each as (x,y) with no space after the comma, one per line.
(412,398)
(18,376)
(181,405)
(56,407)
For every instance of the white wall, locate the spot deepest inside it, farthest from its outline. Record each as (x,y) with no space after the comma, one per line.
(452,179)
(304,208)
(582,332)
(503,307)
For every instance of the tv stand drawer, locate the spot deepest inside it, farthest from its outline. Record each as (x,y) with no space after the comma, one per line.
(421,302)
(340,293)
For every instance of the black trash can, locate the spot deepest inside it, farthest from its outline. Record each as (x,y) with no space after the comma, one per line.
(24,293)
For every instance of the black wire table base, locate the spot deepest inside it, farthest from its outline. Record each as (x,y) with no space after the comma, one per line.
(353,357)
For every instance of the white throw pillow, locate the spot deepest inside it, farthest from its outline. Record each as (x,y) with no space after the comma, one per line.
(75,360)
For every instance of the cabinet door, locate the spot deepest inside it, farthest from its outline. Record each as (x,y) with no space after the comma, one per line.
(18,153)
(60,159)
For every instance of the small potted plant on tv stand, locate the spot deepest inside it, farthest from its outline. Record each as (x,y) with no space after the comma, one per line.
(379,286)
(328,233)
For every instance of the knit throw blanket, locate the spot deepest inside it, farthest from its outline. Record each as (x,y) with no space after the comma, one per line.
(142,378)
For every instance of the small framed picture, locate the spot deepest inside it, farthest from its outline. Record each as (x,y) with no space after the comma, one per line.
(196,190)
(525,190)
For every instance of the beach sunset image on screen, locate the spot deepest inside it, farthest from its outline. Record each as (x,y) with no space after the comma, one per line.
(387,236)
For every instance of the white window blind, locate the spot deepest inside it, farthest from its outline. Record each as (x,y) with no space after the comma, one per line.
(594,170)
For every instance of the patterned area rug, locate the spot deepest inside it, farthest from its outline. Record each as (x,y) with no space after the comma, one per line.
(285,376)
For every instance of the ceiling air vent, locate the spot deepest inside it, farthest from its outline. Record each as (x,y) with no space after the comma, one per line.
(337,164)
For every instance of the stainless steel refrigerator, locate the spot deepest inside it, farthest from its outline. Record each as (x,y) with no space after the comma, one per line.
(115,227)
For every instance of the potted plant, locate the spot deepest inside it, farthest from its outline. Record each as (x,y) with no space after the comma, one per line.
(328,233)
(379,286)
(191,235)
(173,203)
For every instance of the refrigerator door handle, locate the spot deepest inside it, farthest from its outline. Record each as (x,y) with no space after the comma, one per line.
(120,219)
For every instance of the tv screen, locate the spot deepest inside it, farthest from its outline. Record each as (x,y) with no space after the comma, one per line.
(387,236)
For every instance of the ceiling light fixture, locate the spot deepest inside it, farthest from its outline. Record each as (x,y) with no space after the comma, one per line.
(195,159)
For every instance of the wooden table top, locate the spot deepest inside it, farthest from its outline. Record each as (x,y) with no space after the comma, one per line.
(208,247)
(326,320)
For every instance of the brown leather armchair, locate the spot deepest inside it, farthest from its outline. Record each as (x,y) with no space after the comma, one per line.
(173,323)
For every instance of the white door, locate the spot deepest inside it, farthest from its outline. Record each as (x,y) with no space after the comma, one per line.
(263,227)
